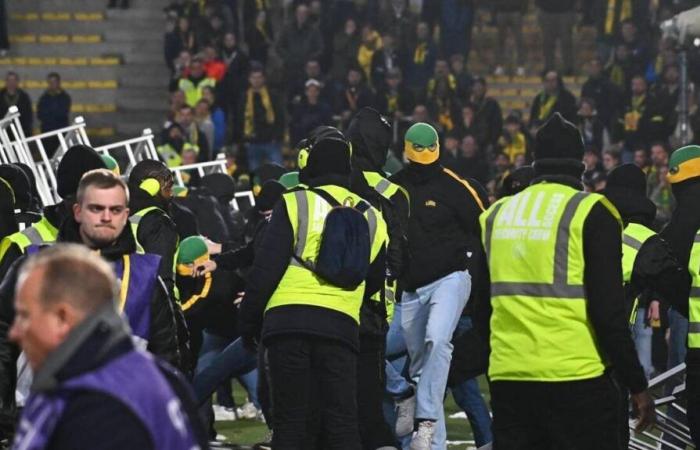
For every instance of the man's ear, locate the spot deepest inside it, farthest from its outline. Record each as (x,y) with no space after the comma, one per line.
(76,211)
(67,317)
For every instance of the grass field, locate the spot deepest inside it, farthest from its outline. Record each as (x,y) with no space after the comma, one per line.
(247,432)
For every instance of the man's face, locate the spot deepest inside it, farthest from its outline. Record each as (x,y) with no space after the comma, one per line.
(354,77)
(210,53)
(12,82)
(659,157)
(629,32)
(196,69)
(313,69)
(640,158)
(302,14)
(102,215)
(594,68)
(189,157)
(422,31)
(393,82)
(586,110)
(478,89)
(388,41)
(312,93)
(185,117)
(441,68)
(54,83)
(609,162)
(38,328)
(590,159)
(229,40)
(457,65)
(551,83)
(639,86)
(468,147)
(451,143)
(671,75)
(420,114)
(256,80)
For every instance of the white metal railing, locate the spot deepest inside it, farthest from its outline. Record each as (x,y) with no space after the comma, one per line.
(136,149)
(15,149)
(64,138)
(206,168)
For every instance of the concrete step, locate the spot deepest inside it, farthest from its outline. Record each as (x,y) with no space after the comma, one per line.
(80,5)
(92,73)
(88,50)
(83,96)
(128,34)
(143,99)
(138,14)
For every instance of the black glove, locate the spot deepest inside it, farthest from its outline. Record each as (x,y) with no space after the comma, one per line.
(250,343)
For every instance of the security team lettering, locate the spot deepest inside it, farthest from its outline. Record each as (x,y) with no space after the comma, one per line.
(531,220)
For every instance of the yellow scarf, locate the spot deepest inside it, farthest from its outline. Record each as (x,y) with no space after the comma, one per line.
(366,52)
(632,117)
(546,106)
(249,114)
(451,82)
(445,116)
(261,5)
(515,147)
(617,75)
(625,13)
(392,103)
(419,54)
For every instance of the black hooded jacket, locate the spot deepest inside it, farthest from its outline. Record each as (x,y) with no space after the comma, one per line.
(163,337)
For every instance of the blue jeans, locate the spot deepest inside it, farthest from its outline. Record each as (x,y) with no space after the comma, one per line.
(429,318)
(677,348)
(468,397)
(218,363)
(642,334)
(259,152)
(396,383)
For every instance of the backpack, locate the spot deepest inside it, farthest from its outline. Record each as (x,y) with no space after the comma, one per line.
(343,257)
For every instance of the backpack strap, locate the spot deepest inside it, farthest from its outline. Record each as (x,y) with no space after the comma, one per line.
(361,206)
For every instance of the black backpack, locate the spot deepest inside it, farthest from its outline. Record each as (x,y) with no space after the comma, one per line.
(343,257)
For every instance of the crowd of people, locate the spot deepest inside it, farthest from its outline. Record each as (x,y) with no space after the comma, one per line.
(406,236)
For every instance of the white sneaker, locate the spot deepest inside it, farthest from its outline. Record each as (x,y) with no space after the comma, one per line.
(405,415)
(248,411)
(520,71)
(423,437)
(222,414)
(500,71)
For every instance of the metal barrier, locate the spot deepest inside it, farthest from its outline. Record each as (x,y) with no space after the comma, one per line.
(62,139)
(15,149)
(203,168)
(670,430)
(135,150)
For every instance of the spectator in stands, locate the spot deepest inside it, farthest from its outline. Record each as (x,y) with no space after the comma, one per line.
(260,121)
(609,16)
(591,158)
(462,76)
(472,163)
(177,101)
(193,135)
(442,99)
(384,60)
(602,91)
(202,117)
(214,67)
(312,111)
(212,31)
(557,20)
(299,42)
(312,71)
(488,119)
(236,61)
(179,39)
(514,142)
(658,187)
(666,92)
(393,98)
(13,95)
(509,19)
(621,69)
(397,19)
(641,159)
(501,169)
(259,38)
(612,157)
(466,123)
(640,120)
(638,48)
(53,108)
(456,22)
(449,150)
(345,45)
(172,144)
(218,118)
(371,42)
(4,41)
(192,85)
(180,68)
(553,98)
(589,124)
(353,96)
(420,61)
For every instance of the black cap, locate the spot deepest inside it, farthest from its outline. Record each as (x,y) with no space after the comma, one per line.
(626,188)
(518,180)
(19,183)
(558,139)
(78,160)
(270,192)
(221,185)
(628,177)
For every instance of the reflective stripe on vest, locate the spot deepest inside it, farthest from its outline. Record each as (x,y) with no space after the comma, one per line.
(41,233)
(135,220)
(694,300)
(534,247)
(633,237)
(307,212)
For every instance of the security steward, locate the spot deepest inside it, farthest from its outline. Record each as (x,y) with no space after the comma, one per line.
(371,137)
(99,222)
(93,388)
(557,314)
(77,160)
(310,326)
(25,213)
(8,224)
(683,235)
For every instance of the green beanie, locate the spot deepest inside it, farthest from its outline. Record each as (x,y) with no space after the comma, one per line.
(422,134)
(289,180)
(684,164)
(111,164)
(191,249)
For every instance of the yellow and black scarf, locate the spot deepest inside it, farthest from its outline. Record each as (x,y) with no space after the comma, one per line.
(546,104)
(249,114)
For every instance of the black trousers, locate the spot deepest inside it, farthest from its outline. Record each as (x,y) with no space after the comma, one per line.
(573,415)
(374,431)
(313,377)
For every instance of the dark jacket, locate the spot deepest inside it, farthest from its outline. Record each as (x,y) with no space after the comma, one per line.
(210,221)
(53,110)
(556,6)
(405,101)
(488,122)
(270,264)
(296,45)
(444,217)
(565,104)
(606,96)
(476,168)
(306,117)
(90,416)
(651,126)
(163,337)
(234,80)
(602,244)
(263,132)
(24,105)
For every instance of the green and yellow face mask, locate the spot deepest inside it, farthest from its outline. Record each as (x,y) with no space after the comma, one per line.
(187,269)
(420,154)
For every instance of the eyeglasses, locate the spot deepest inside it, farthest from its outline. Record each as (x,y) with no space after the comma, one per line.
(420,148)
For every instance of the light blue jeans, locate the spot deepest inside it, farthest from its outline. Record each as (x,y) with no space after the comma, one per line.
(642,334)
(429,317)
